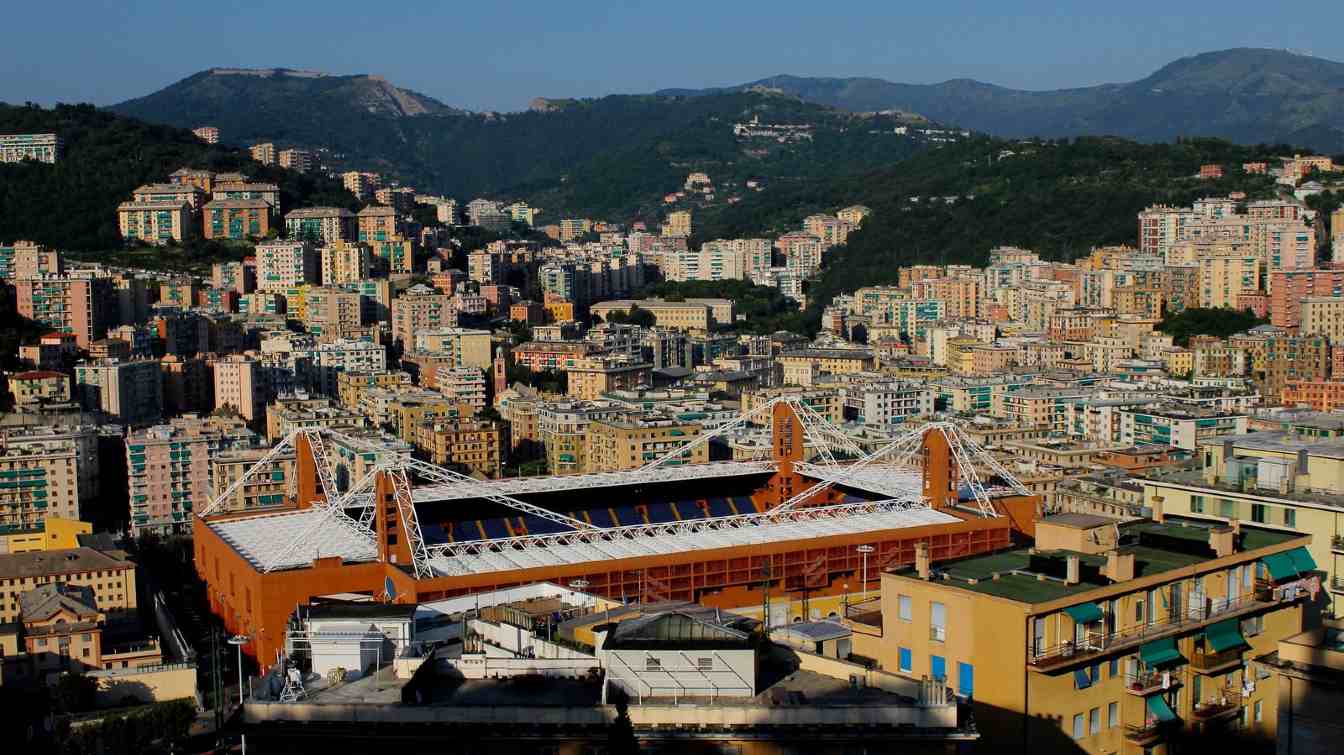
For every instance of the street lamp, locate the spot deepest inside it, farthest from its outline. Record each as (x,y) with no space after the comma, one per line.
(579,585)
(865,550)
(238,641)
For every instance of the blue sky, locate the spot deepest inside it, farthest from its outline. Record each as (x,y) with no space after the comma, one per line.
(499,54)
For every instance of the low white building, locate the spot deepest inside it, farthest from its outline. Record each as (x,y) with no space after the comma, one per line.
(352,636)
(675,655)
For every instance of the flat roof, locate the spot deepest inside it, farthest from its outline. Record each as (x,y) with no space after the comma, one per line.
(622,542)
(292,539)
(1154,545)
(1194,478)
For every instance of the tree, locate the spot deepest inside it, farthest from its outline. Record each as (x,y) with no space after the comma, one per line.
(75,693)
(621,734)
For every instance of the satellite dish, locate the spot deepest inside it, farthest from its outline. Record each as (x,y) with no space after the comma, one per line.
(389,589)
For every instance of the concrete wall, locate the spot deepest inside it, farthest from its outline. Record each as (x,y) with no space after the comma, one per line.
(732,673)
(149,684)
(519,640)
(478,666)
(895,683)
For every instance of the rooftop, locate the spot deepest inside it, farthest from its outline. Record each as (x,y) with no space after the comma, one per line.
(1195,478)
(65,561)
(1158,547)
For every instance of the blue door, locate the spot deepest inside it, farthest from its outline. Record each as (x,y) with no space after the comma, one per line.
(965,679)
(937,667)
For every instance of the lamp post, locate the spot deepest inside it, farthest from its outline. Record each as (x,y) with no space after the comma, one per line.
(865,550)
(238,641)
(579,585)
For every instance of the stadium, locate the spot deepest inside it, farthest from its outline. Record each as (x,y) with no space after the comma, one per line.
(718,533)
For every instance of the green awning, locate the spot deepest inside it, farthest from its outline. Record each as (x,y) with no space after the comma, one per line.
(1084,613)
(1302,560)
(1160,653)
(1224,635)
(1160,710)
(1281,566)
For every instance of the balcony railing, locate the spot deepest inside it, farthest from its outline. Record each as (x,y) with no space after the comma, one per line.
(1337,584)
(1144,683)
(1146,733)
(1226,703)
(1213,662)
(1174,622)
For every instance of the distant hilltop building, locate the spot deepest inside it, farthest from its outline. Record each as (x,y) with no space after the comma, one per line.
(360,183)
(296,159)
(207,134)
(43,148)
(264,153)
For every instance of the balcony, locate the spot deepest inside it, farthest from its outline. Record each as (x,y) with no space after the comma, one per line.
(1337,544)
(1149,682)
(1216,663)
(1177,622)
(1225,705)
(1337,584)
(1146,734)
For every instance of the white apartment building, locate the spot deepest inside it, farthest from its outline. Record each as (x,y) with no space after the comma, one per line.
(283,265)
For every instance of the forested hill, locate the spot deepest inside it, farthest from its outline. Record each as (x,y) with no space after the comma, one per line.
(72,205)
(612,157)
(953,204)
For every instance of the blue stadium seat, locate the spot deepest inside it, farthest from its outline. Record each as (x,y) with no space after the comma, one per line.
(627,515)
(494,528)
(465,531)
(719,507)
(433,533)
(601,518)
(660,512)
(538,526)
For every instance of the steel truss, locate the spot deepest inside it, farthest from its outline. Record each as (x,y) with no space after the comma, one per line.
(596,537)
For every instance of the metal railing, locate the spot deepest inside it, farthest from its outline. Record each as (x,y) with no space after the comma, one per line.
(1207,661)
(1173,622)
(1145,681)
(1229,700)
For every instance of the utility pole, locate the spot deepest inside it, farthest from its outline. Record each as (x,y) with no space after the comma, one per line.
(217,686)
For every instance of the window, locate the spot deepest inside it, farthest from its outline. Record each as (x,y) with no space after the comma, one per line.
(1258,512)
(1112,715)
(1197,504)
(1114,670)
(937,667)
(1138,610)
(1078,725)
(903,662)
(1094,721)
(85,654)
(652,663)
(1290,518)
(965,679)
(704,663)
(1253,625)
(904,608)
(1227,508)
(937,621)
(1259,711)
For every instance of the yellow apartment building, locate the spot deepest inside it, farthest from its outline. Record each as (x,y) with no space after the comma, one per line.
(155,222)
(1106,637)
(591,377)
(470,444)
(802,366)
(623,443)
(1274,480)
(55,533)
(112,579)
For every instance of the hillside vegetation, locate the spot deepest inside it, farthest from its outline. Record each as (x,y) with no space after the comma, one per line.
(1058,198)
(611,157)
(72,205)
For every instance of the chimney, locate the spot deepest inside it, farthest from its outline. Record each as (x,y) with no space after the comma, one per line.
(1236,527)
(922,562)
(1072,576)
(1223,541)
(1119,566)
(1157,509)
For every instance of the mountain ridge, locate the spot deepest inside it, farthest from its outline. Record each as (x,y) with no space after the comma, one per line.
(1249,95)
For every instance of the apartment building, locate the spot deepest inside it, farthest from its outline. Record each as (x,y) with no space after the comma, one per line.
(128,390)
(802,253)
(296,159)
(207,134)
(43,148)
(1177,426)
(243,385)
(396,255)
(563,430)
(854,214)
(360,183)
(1323,315)
(240,277)
(630,442)
(321,225)
(346,262)
(420,309)
(188,384)
(686,315)
(471,445)
(168,469)
(677,224)
(266,487)
(551,355)
(803,366)
(155,222)
(1289,290)
(462,385)
(45,473)
(36,388)
(263,153)
(77,306)
(1106,636)
(236,219)
(331,313)
(112,579)
(286,414)
(26,259)
(888,404)
(379,223)
(1276,480)
(282,265)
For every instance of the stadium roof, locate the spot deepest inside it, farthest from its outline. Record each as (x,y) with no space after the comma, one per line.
(292,539)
